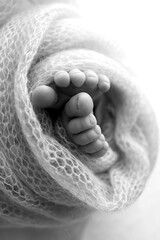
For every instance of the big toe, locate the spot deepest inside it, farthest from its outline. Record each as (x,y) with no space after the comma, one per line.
(79,105)
(44,96)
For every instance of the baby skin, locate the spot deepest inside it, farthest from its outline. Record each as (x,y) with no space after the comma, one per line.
(74,93)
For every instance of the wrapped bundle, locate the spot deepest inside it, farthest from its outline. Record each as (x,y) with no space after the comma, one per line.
(45,179)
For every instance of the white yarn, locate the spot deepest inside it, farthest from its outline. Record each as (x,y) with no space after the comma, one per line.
(44,179)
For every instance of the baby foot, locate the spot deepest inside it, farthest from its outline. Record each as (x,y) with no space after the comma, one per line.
(66,85)
(81,125)
(65,91)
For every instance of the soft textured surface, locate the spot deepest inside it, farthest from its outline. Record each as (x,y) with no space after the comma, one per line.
(44,179)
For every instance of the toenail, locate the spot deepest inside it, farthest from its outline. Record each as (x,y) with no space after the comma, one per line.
(106,145)
(102,138)
(92,120)
(62,79)
(105,87)
(77,77)
(98,129)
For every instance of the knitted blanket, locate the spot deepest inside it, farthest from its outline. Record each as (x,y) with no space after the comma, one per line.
(45,179)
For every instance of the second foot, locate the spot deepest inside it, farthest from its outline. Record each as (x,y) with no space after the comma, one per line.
(67,84)
(81,125)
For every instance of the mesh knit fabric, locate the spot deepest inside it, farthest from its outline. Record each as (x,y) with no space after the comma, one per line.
(44,178)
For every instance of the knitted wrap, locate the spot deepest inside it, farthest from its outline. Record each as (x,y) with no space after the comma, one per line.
(45,179)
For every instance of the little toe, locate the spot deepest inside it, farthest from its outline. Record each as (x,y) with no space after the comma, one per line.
(77,77)
(101,152)
(87,136)
(62,79)
(79,105)
(95,146)
(77,125)
(44,96)
(91,79)
(104,83)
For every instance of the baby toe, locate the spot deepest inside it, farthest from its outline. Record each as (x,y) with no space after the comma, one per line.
(91,79)
(77,77)
(87,136)
(95,146)
(79,105)
(62,79)
(44,97)
(77,125)
(101,152)
(104,83)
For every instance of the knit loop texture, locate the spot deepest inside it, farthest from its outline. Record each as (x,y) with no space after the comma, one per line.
(45,180)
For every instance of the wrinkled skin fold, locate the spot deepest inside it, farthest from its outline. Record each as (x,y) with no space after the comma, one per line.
(44,179)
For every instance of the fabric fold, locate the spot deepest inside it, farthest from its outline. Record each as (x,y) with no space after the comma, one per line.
(44,178)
